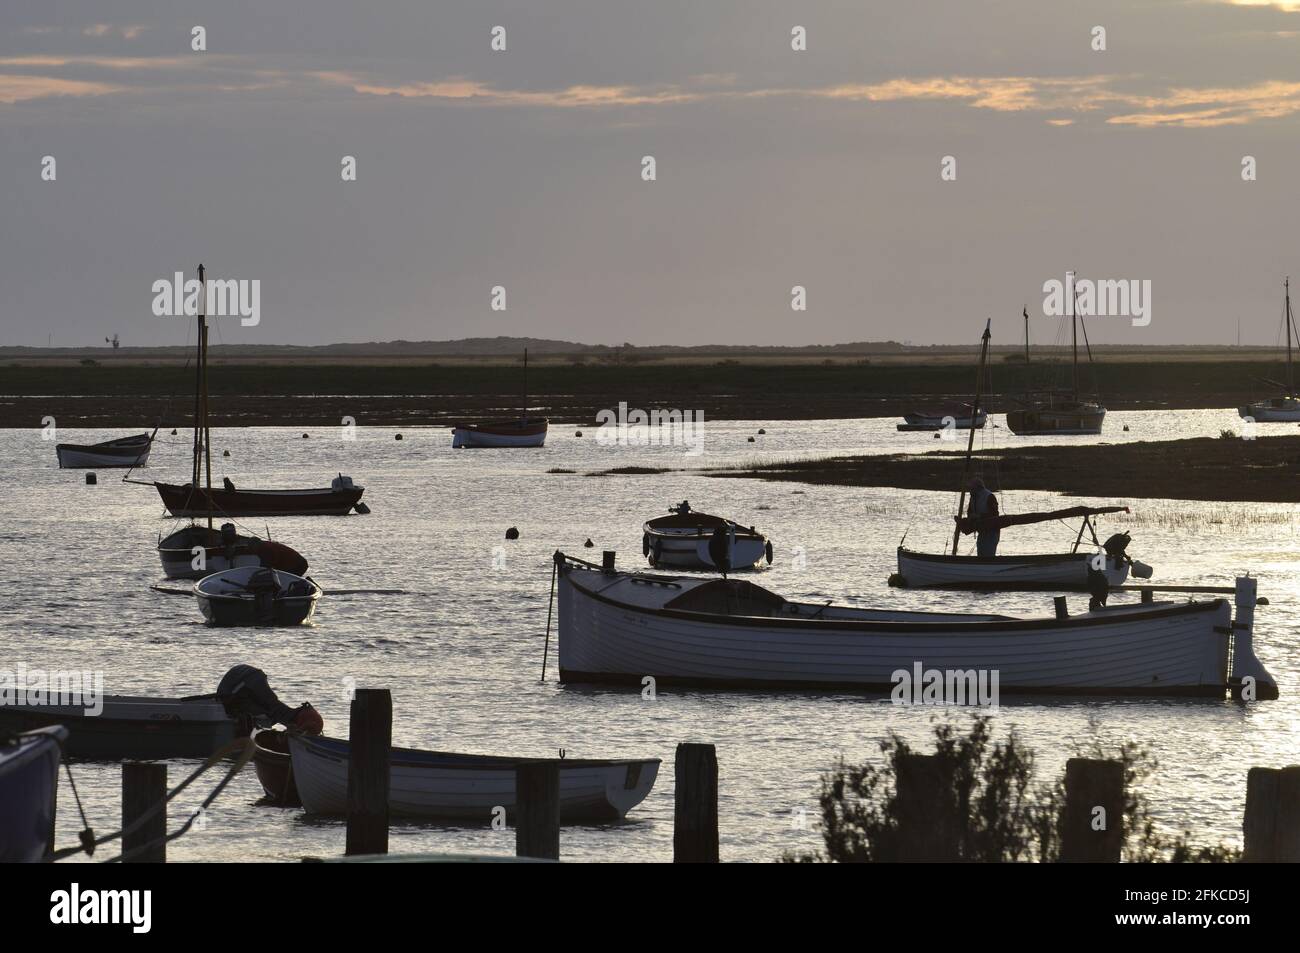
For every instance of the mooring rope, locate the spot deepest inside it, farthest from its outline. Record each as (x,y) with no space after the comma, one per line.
(244,746)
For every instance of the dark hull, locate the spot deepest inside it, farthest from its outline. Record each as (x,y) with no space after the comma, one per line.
(29,779)
(275,768)
(115,739)
(189,501)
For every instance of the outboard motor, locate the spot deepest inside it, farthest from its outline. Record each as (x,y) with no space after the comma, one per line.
(1116,545)
(341,482)
(720,549)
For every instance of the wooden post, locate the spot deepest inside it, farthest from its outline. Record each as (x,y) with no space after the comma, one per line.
(1062,610)
(370,733)
(607,560)
(1272,822)
(695,816)
(144,784)
(537,810)
(1147,594)
(1093,830)
(926,825)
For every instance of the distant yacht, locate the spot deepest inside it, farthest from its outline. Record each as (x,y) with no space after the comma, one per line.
(1057,413)
(1284,408)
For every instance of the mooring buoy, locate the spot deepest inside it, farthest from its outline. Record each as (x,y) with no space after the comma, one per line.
(91,479)
(512,533)
(588,544)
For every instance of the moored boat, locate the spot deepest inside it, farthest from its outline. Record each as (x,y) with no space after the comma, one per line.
(525,432)
(222,549)
(956,417)
(465,786)
(131,727)
(274,767)
(338,499)
(29,782)
(1284,408)
(123,452)
(1057,417)
(620,627)
(256,595)
(685,539)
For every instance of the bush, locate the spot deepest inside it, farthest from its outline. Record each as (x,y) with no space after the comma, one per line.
(992,809)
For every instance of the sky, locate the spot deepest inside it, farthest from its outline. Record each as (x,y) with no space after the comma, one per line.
(523,169)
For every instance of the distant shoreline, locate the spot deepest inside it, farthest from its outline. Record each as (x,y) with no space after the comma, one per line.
(116,396)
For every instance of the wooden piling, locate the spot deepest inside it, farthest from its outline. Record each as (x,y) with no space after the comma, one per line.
(1062,609)
(537,810)
(1272,822)
(144,785)
(695,815)
(1093,825)
(607,560)
(926,822)
(370,733)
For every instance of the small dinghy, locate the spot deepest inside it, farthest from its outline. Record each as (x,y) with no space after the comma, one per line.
(466,786)
(124,452)
(619,627)
(131,727)
(956,417)
(689,540)
(29,782)
(256,595)
(275,767)
(526,432)
(222,549)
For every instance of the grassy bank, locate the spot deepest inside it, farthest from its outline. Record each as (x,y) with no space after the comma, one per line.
(1265,470)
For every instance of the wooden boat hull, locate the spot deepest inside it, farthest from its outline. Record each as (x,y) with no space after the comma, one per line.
(127,452)
(1052,422)
(176,553)
(131,727)
(466,787)
(29,781)
(620,627)
(190,501)
(224,603)
(274,768)
(691,550)
(1066,571)
(502,434)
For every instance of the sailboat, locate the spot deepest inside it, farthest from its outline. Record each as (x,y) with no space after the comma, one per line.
(1058,413)
(1286,407)
(1075,570)
(200,498)
(524,432)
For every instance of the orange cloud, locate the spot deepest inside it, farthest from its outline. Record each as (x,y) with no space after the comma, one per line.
(18,88)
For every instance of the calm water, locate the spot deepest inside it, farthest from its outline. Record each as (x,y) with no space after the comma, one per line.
(462,650)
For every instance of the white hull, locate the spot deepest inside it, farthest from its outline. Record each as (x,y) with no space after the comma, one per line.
(1055,572)
(71,459)
(178,563)
(621,627)
(465,786)
(692,552)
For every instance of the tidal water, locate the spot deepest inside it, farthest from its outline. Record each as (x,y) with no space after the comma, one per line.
(462,649)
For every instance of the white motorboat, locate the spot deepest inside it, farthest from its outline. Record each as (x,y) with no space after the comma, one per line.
(256,595)
(686,539)
(620,627)
(466,786)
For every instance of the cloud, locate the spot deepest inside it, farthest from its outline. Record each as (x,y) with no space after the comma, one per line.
(109,29)
(15,88)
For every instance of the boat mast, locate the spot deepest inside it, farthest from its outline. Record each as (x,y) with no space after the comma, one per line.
(1074,341)
(525,415)
(1026,314)
(970,440)
(203,362)
(195,475)
(1290,370)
